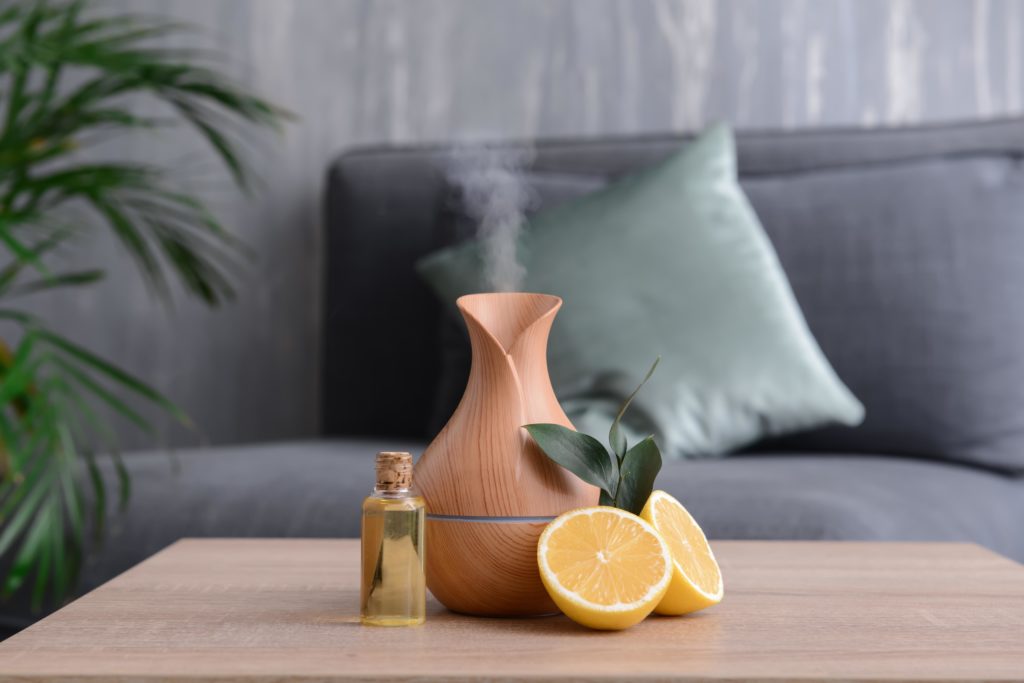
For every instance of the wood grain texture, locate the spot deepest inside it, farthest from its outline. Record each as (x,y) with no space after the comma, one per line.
(487,568)
(287,610)
(483,463)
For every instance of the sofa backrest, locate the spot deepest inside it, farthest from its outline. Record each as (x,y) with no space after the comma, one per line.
(387,207)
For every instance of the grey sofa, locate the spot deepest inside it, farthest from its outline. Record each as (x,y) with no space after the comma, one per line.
(901,246)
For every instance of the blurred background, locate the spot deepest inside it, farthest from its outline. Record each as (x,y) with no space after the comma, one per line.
(357,73)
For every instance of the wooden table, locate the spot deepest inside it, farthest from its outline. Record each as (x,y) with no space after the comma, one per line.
(286,610)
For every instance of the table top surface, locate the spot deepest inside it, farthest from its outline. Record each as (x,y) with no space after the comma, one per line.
(284,610)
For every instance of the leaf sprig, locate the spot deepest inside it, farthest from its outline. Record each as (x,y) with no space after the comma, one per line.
(624,475)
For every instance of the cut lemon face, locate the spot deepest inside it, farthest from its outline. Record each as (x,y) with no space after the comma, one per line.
(604,567)
(696,578)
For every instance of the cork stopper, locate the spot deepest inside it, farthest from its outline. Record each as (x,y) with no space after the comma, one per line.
(394,470)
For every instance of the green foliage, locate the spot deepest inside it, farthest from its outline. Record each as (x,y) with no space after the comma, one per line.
(581,454)
(69,76)
(624,475)
(638,470)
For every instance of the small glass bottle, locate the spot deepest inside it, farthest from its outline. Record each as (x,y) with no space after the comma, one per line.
(393,582)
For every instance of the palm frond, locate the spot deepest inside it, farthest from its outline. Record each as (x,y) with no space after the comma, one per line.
(67,72)
(41,491)
(114,56)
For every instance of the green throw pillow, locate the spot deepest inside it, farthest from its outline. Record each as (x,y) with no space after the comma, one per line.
(672,262)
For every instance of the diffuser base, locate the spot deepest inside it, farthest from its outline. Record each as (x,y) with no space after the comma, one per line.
(486,568)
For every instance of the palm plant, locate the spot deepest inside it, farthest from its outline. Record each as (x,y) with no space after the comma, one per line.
(69,77)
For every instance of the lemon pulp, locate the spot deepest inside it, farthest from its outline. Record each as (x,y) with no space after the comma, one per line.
(696,578)
(604,567)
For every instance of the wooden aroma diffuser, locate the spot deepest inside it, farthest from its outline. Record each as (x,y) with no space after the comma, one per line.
(490,490)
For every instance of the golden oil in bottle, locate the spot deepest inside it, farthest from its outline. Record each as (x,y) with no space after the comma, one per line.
(393,582)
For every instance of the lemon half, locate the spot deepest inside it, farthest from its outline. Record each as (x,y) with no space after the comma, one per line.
(604,567)
(696,577)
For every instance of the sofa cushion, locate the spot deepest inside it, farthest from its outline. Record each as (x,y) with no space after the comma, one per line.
(315,489)
(911,276)
(672,262)
(850,497)
(300,488)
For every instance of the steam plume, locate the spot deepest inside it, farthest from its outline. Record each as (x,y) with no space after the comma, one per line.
(495,196)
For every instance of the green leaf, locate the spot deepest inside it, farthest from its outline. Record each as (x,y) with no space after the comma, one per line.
(124,479)
(15,267)
(26,508)
(220,142)
(19,317)
(99,495)
(14,494)
(23,253)
(65,559)
(102,393)
(19,375)
(133,240)
(640,467)
(78,407)
(69,482)
(34,545)
(76,279)
(126,380)
(581,454)
(615,438)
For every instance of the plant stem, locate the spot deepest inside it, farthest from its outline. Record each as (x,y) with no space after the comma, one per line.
(618,484)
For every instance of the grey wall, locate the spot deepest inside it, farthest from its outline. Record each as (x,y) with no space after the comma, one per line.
(388,71)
